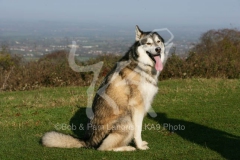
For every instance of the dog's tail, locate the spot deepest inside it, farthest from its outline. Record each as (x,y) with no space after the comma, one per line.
(55,139)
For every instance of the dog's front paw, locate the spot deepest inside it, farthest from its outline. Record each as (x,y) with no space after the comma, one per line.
(143,146)
(144,143)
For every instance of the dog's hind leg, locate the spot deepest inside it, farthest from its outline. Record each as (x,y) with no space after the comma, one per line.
(117,142)
(118,139)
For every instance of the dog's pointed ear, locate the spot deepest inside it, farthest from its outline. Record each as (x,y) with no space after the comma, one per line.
(138,33)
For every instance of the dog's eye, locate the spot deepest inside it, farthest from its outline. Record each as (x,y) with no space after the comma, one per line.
(158,41)
(149,43)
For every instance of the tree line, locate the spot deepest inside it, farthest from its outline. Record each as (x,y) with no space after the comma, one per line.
(217,55)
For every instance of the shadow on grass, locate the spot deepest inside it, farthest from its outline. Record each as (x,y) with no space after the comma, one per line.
(80,121)
(226,144)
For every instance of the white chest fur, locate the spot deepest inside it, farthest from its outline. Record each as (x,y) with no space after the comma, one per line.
(148,91)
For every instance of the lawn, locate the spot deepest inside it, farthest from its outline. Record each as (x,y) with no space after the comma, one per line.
(196,119)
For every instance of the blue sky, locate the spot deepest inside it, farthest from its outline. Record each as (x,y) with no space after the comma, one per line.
(223,13)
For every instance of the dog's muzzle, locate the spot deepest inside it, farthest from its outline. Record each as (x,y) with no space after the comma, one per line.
(152,56)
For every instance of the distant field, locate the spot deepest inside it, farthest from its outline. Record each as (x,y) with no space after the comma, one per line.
(82,58)
(201,119)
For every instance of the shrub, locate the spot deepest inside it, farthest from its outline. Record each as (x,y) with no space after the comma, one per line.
(7,64)
(217,55)
(6,61)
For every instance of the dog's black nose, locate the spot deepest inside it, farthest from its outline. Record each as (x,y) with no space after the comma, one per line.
(158,49)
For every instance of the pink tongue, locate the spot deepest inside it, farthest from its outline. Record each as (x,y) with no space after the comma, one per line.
(158,65)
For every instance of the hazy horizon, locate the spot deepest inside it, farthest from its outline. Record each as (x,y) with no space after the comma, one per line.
(154,13)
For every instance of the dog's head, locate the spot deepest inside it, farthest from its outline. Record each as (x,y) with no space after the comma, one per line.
(151,48)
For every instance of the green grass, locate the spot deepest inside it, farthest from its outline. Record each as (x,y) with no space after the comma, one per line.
(207,111)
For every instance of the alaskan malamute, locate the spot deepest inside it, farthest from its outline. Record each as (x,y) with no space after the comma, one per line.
(122,100)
